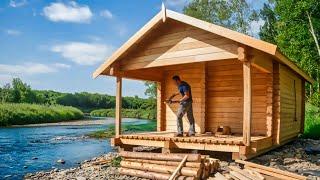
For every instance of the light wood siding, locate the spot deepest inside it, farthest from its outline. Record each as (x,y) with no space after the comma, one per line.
(192,74)
(225,97)
(179,43)
(290,103)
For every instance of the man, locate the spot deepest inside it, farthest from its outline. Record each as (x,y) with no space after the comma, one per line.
(185,106)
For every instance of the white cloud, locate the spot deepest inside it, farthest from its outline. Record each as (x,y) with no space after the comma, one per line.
(13,32)
(71,12)
(83,53)
(17,3)
(61,65)
(30,68)
(106,13)
(255,27)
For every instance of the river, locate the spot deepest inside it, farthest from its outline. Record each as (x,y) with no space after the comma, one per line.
(31,149)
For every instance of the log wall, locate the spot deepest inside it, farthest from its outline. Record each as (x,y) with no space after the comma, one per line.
(225,97)
(290,103)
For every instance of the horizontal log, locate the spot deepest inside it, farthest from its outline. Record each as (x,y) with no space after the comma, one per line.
(167,163)
(150,175)
(159,156)
(185,171)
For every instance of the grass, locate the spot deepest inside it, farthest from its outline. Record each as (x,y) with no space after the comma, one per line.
(312,122)
(126,128)
(126,113)
(22,113)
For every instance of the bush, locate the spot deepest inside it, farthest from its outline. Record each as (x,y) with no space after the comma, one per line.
(19,114)
(126,113)
(312,122)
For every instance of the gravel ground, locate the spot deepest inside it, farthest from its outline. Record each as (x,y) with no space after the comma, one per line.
(300,156)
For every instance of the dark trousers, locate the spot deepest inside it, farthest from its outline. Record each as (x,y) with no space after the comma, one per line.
(185,108)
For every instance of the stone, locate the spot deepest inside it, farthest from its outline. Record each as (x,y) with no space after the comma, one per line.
(34,158)
(61,161)
(81,178)
(25,167)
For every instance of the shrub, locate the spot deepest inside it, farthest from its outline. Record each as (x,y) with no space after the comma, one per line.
(19,114)
(312,122)
(126,113)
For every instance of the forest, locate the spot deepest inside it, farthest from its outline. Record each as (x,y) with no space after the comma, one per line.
(20,104)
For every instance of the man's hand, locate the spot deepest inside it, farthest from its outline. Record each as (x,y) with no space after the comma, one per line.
(171,101)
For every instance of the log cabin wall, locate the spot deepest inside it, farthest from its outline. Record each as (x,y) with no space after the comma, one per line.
(193,74)
(290,103)
(225,97)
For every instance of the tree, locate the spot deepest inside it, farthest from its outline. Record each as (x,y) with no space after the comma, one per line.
(22,92)
(233,14)
(5,94)
(151,90)
(295,27)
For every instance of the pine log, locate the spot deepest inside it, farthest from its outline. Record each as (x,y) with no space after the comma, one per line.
(220,176)
(150,175)
(143,174)
(160,156)
(167,163)
(186,171)
(179,168)
(255,174)
(273,170)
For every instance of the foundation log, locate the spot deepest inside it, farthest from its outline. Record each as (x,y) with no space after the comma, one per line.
(159,156)
(185,171)
(150,175)
(166,163)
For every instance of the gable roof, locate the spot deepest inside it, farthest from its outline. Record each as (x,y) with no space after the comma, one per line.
(209,27)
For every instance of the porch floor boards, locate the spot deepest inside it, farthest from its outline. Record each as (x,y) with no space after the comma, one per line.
(199,138)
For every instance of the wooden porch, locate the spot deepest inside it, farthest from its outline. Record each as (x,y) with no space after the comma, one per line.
(205,142)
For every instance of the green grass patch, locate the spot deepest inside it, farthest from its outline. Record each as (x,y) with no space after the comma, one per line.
(312,122)
(126,113)
(126,128)
(23,113)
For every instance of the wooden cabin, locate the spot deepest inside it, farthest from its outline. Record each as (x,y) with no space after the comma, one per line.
(237,81)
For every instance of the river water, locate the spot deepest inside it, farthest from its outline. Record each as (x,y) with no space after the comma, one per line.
(31,149)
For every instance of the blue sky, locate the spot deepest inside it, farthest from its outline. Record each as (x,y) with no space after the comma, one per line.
(57,44)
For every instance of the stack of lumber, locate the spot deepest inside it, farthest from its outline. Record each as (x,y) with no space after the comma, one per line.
(167,166)
(252,171)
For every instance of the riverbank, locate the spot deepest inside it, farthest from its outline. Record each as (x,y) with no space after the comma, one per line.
(294,157)
(126,128)
(23,113)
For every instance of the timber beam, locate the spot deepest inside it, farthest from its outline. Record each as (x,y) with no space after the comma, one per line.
(244,57)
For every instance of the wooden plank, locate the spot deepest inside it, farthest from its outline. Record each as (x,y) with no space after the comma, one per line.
(247,103)
(273,170)
(118,107)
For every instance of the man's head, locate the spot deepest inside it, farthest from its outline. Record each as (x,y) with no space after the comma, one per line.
(177,80)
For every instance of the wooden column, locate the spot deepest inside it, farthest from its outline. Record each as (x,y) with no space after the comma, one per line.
(118,106)
(247,95)
(276,105)
(303,105)
(203,90)
(160,107)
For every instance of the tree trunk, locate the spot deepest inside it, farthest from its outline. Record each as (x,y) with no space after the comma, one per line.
(318,48)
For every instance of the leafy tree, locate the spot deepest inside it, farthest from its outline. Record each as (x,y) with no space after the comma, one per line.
(6,94)
(151,90)
(295,27)
(22,92)
(236,14)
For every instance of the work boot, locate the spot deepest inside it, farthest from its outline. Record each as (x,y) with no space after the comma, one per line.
(178,135)
(190,134)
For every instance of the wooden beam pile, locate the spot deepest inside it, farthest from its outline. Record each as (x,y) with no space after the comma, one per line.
(252,171)
(167,166)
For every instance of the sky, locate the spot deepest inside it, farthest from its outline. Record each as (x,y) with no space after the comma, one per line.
(57,45)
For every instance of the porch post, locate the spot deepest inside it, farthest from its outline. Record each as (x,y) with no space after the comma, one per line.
(160,107)
(247,95)
(118,107)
